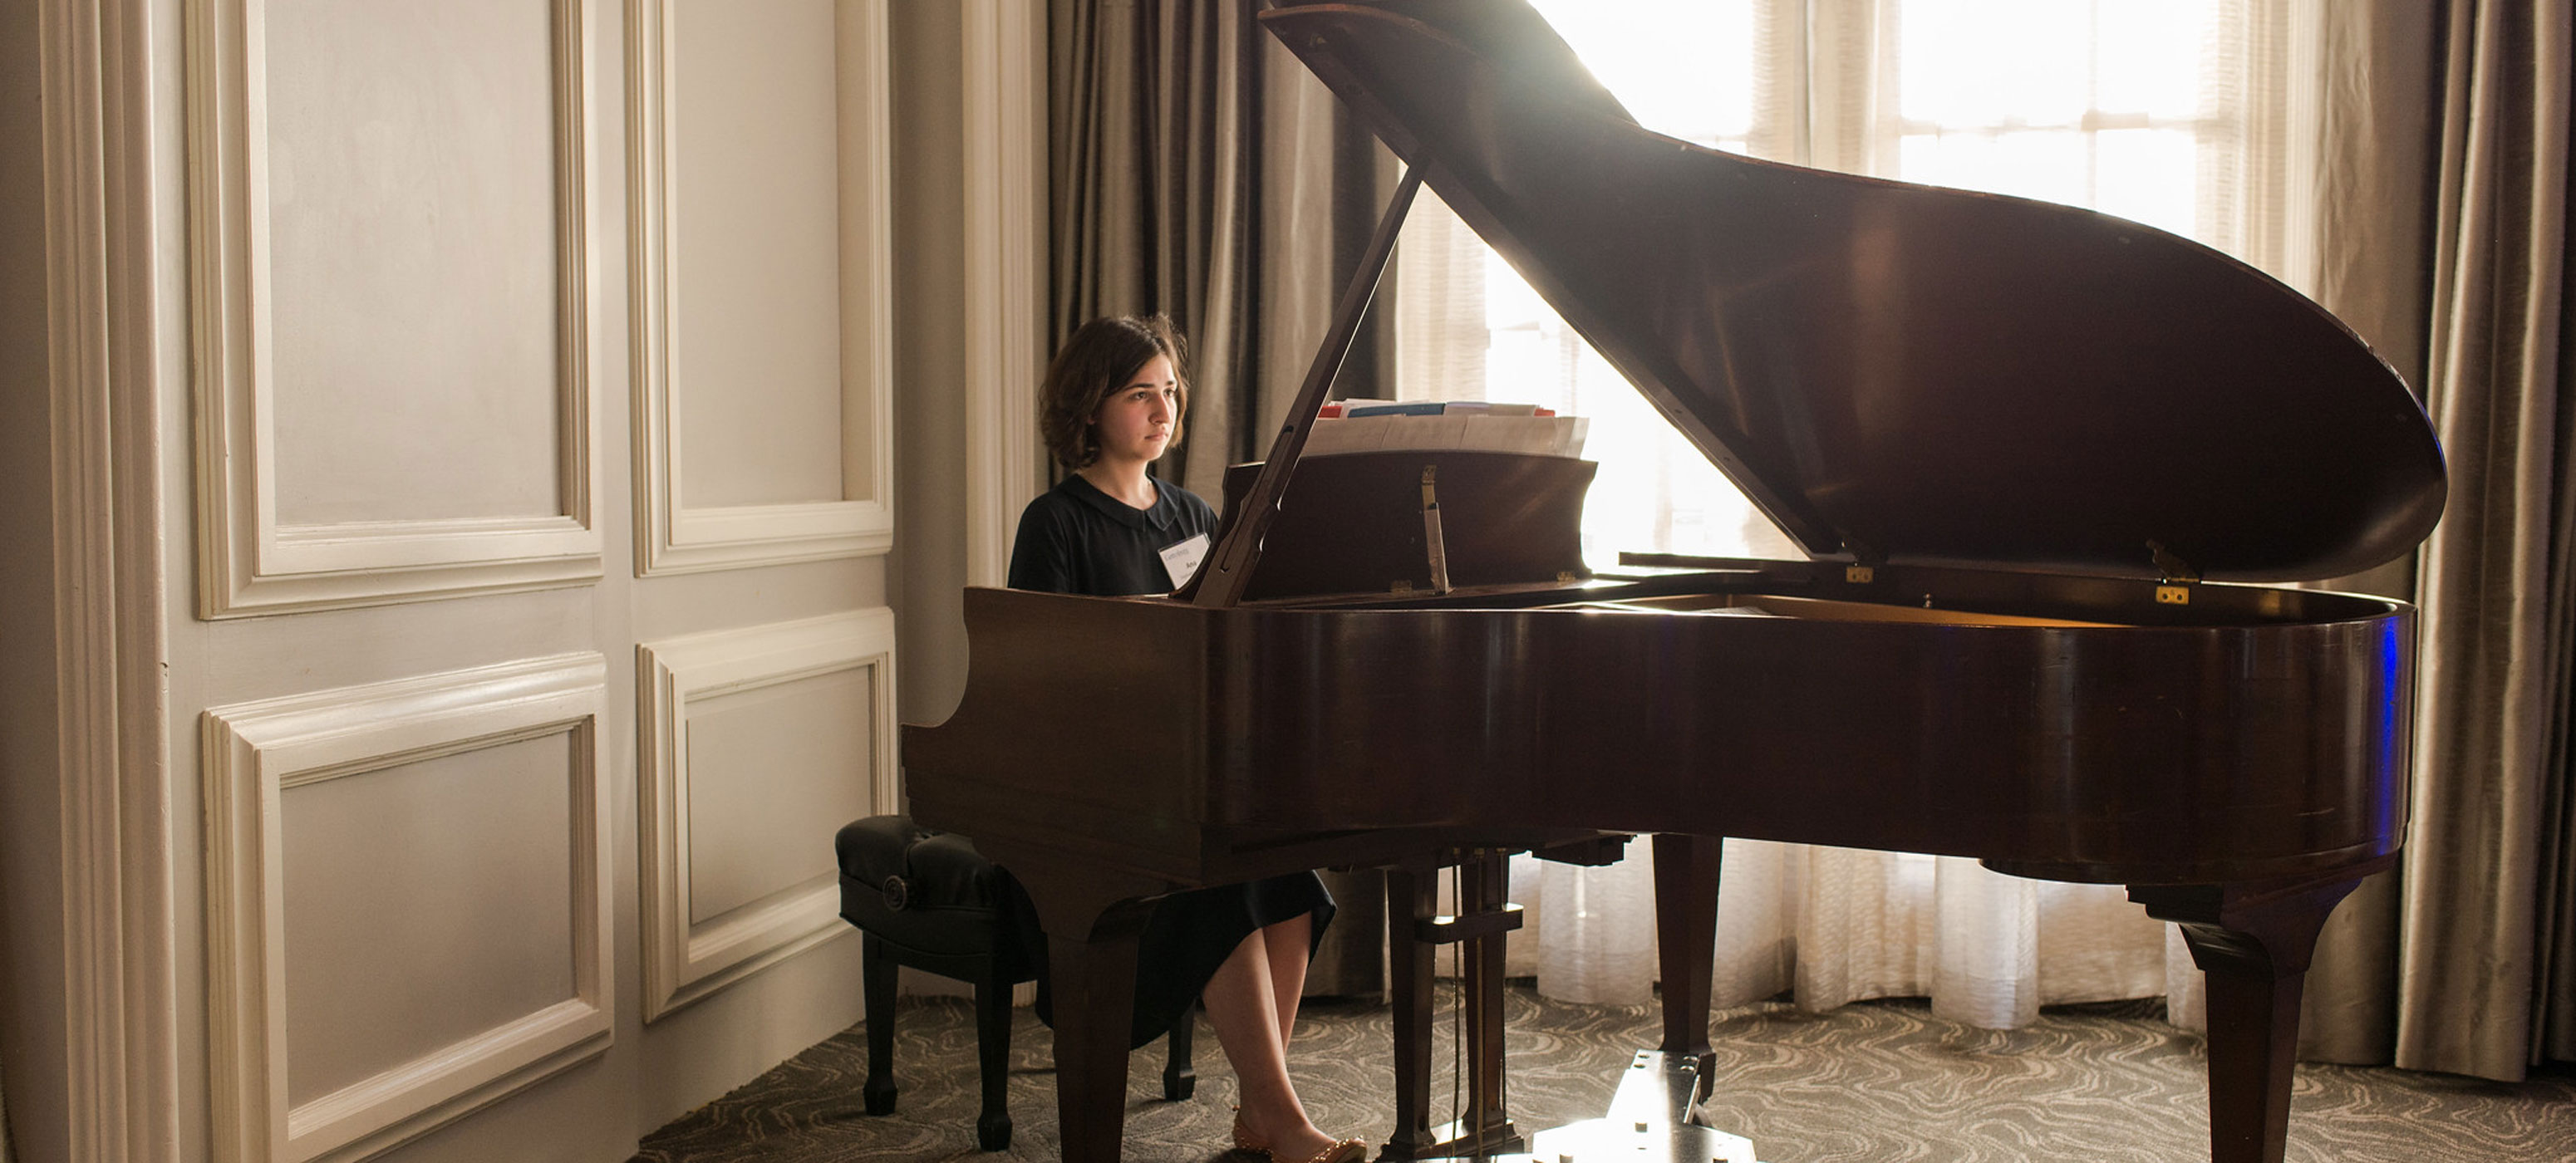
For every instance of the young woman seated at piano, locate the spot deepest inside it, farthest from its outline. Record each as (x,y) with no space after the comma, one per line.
(1111,404)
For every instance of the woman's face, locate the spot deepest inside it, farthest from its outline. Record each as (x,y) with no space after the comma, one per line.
(1135,421)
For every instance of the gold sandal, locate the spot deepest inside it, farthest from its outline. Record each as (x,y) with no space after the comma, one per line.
(1346,1151)
(1243,1140)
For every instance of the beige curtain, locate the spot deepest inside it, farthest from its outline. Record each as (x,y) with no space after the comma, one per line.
(1200,171)
(2367,256)
(2553,1008)
(2494,585)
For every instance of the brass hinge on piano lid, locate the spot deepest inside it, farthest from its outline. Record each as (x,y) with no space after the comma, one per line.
(1863,569)
(2177,576)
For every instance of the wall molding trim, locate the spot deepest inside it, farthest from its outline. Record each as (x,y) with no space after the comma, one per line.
(672,536)
(1006,247)
(117,936)
(249,562)
(684,962)
(253,753)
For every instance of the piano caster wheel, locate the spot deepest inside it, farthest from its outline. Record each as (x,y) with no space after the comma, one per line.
(880,1097)
(993,1132)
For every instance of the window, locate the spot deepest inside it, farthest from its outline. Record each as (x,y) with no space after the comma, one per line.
(2169,112)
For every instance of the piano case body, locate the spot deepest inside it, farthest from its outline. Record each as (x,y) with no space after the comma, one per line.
(2262,738)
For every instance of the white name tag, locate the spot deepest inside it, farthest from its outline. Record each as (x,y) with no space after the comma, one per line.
(1181,558)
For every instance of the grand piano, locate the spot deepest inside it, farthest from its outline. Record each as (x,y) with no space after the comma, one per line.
(2042,463)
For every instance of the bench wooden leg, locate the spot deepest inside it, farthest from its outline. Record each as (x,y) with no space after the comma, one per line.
(877,970)
(993,1055)
(1180,1080)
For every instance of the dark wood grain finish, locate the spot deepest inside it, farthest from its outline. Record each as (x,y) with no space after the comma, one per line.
(1686,869)
(2254,941)
(2165,754)
(1412,894)
(1356,524)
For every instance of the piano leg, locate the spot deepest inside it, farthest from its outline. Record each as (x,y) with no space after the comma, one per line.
(1412,895)
(1092,920)
(1095,999)
(1686,936)
(2254,941)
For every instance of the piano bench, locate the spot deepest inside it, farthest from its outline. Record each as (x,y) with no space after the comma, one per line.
(928,900)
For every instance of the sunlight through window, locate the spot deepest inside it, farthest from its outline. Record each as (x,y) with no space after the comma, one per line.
(1685,69)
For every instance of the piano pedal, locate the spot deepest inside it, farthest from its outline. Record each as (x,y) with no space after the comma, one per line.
(1457,1141)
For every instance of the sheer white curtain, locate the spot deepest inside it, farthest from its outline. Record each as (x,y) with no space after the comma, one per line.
(2183,114)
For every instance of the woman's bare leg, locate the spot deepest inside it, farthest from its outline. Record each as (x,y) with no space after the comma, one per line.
(1243,1006)
(1288,944)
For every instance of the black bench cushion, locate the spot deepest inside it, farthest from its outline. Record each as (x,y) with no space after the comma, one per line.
(930,892)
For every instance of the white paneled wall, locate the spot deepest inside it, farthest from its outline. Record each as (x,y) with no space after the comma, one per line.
(423,362)
(474,464)
(760,246)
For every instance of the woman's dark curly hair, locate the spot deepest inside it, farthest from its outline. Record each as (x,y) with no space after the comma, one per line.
(1103,356)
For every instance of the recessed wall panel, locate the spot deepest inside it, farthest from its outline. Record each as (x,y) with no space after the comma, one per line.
(762,272)
(754,746)
(755,259)
(412,246)
(774,771)
(389,298)
(407,914)
(425,904)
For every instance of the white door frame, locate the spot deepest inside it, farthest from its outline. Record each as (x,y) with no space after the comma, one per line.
(1006,264)
(119,988)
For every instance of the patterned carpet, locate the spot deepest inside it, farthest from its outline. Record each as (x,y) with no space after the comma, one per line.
(1883,1082)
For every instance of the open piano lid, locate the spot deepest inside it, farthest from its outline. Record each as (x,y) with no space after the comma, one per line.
(1903,373)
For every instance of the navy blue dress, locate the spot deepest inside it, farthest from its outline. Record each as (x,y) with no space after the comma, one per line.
(1078,540)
